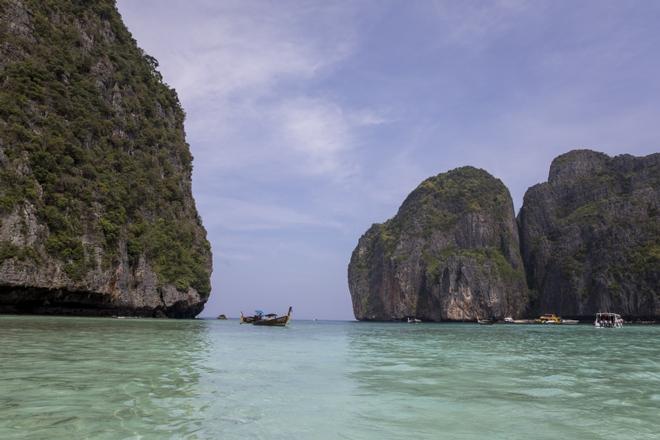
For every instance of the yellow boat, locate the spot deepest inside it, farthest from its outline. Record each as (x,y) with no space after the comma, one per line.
(548,319)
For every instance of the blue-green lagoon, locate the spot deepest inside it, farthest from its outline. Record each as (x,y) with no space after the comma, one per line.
(75,378)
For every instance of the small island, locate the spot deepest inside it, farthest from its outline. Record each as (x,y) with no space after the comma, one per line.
(586,241)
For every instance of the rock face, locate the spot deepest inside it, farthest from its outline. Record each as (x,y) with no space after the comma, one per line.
(590,236)
(96,211)
(450,253)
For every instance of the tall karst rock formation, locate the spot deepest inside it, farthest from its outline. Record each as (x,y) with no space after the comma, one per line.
(450,253)
(96,211)
(590,235)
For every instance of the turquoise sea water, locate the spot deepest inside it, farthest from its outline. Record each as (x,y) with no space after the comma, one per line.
(71,378)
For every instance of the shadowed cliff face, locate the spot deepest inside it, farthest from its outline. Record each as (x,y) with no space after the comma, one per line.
(450,253)
(590,236)
(96,211)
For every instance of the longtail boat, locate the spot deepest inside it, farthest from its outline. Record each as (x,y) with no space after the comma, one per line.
(274,320)
(258,314)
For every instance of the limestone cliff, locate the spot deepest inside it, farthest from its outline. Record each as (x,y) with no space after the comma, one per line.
(96,211)
(450,253)
(590,235)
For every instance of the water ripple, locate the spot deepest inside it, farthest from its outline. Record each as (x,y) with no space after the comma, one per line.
(63,378)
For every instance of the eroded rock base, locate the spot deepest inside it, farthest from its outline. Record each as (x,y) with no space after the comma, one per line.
(40,301)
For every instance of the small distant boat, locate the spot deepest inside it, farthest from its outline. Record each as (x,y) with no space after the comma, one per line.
(273,320)
(485,321)
(608,320)
(509,320)
(548,319)
(413,320)
(570,322)
(223,317)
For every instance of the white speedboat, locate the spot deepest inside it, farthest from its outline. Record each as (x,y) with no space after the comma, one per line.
(608,320)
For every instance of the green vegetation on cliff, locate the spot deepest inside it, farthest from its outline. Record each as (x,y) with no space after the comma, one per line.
(437,203)
(451,252)
(591,235)
(93,139)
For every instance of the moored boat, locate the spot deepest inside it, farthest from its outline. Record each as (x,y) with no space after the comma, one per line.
(548,319)
(251,319)
(485,321)
(608,320)
(273,320)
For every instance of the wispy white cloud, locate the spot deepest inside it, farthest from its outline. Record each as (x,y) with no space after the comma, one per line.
(370,117)
(318,131)
(473,24)
(321,135)
(237,68)
(243,48)
(247,215)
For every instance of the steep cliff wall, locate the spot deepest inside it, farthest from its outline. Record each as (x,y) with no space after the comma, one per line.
(96,210)
(450,253)
(590,235)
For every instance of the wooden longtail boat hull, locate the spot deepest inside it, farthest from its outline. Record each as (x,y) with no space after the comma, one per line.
(279,321)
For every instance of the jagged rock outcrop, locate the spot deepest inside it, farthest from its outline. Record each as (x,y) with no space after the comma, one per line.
(450,253)
(590,235)
(96,211)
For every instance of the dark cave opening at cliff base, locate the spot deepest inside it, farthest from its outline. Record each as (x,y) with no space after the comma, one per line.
(41,301)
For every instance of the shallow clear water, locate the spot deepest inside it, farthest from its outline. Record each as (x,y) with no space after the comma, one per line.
(70,378)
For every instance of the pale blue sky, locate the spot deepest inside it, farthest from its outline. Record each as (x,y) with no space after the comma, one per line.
(311,120)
